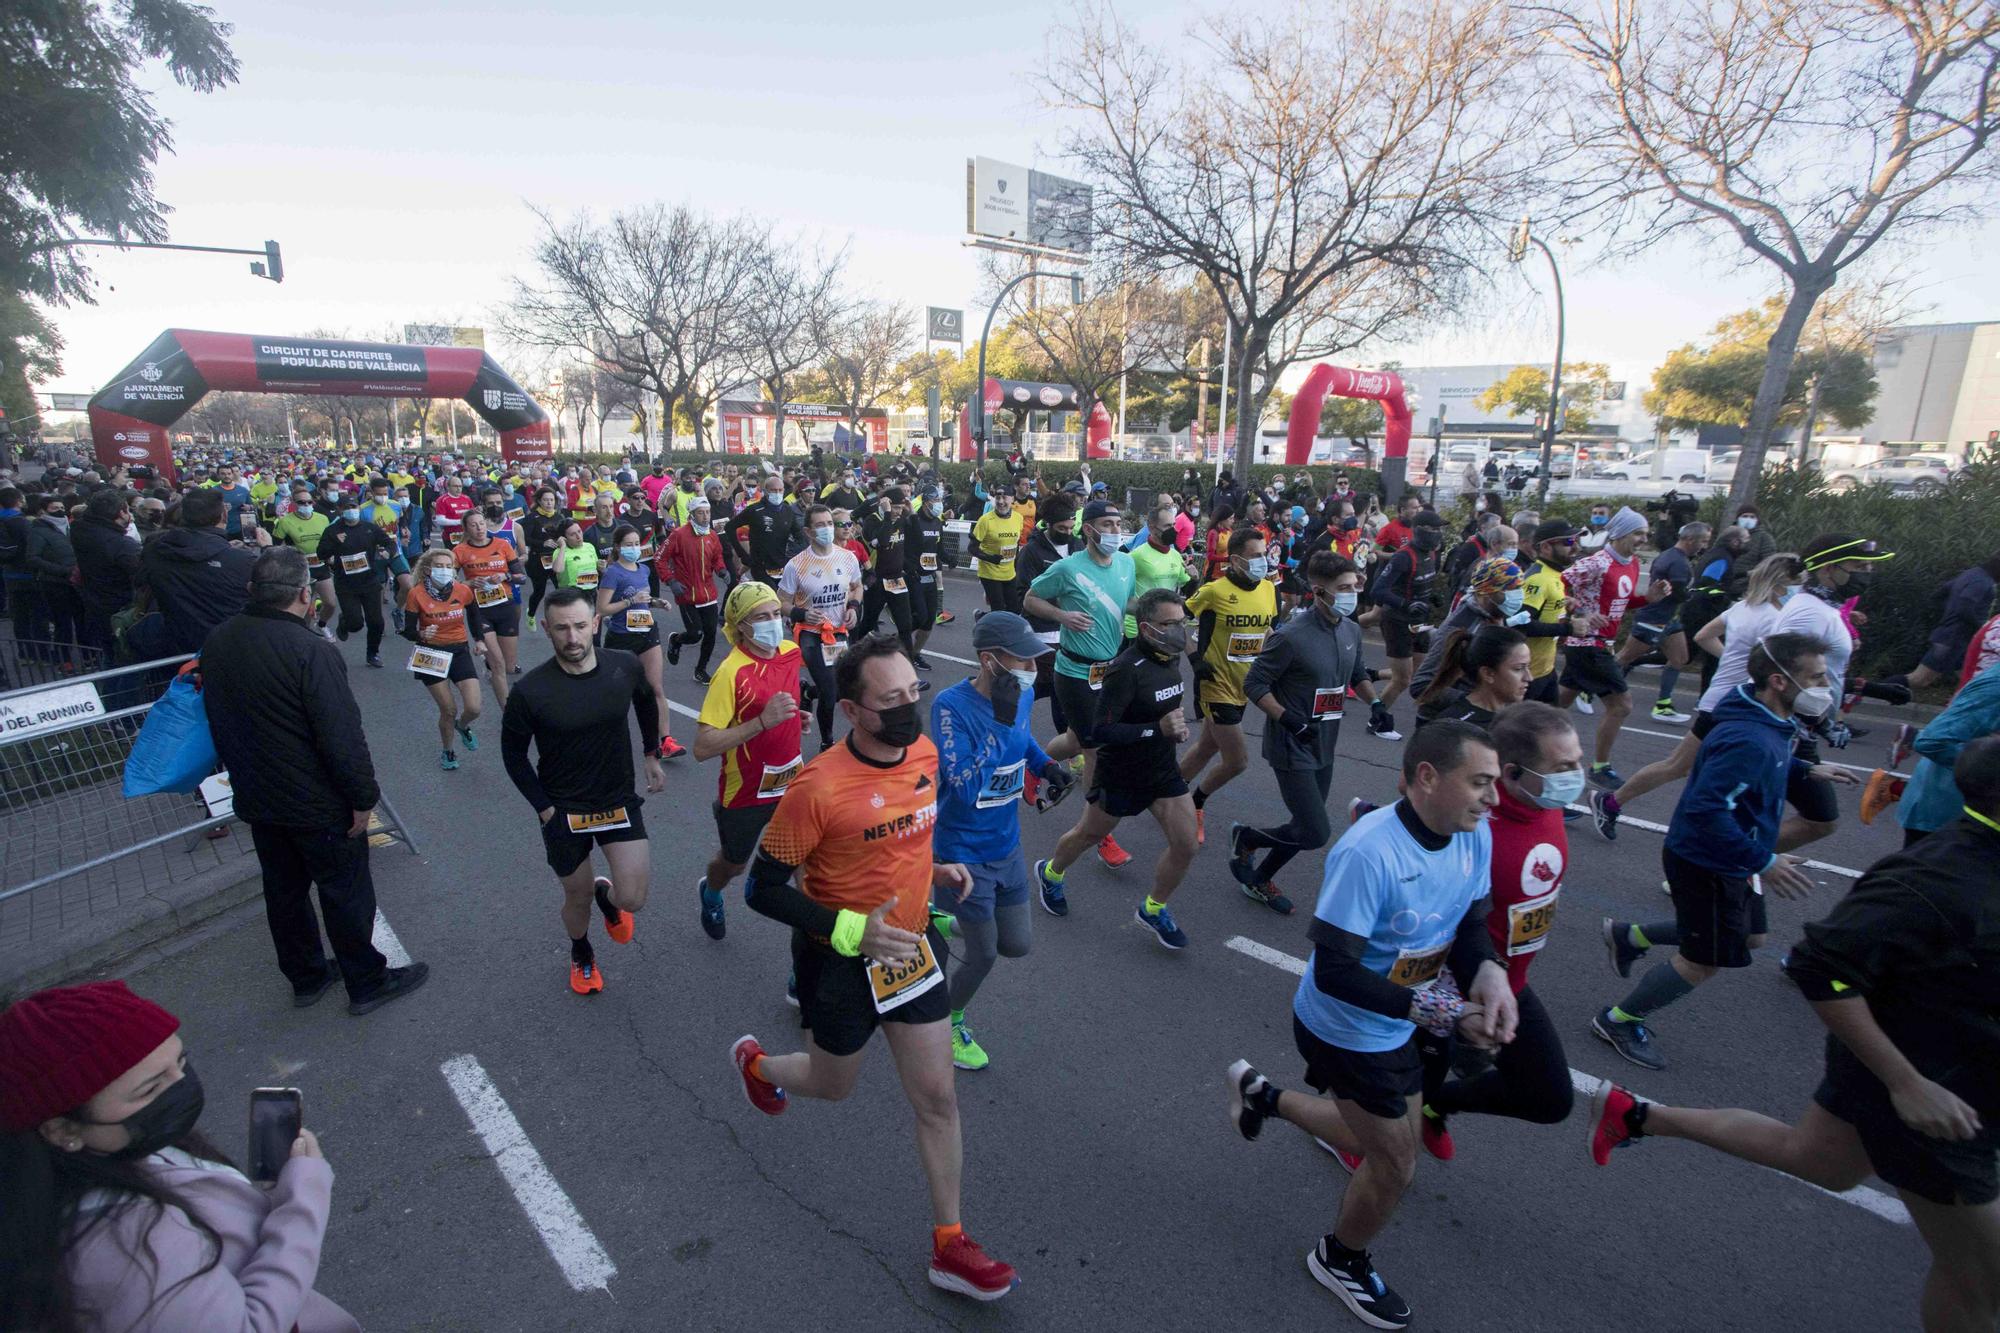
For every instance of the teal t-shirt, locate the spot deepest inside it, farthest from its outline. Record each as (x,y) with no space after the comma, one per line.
(1079,583)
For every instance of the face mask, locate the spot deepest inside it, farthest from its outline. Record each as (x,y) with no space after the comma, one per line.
(440,579)
(1109,542)
(1479,506)
(351,515)
(1599,520)
(1511,555)
(1427,539)
(1258,568)
(1343,603)
(1748,522)
(772,497)
(1170,642)
(1194,511)
(768,634)
(164,1120)
(823,535)
(901,725)
(700,524)
(629,553)
(1559,789)
(494,513)
(1510,601)
(1813,701)
(1858,581)
(935,506)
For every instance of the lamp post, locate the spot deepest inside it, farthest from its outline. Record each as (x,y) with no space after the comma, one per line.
(1517,250)
(986,331)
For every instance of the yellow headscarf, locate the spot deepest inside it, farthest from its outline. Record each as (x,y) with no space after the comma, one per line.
(744,599)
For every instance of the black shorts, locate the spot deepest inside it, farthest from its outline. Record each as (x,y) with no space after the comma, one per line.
(1124,802)
(1592,671)
(1543,689)
(1396,641)
(740,826)
(628,641)
(1379,1082)
(1080,703)
(1652,631)
(503,618)
(1953,1172)
(1944,657)
(1704,722)
(1716,913)
(838,1006)
(568,849)
(1813,797)
(462,667)
(1223,715)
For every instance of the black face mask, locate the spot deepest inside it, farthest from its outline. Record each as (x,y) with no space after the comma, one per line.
(162,1121)
(1427,539)
(494,513)
(1859,581)
(901,725)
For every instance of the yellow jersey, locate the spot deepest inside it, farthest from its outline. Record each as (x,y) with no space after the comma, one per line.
(1544,595)
(995,533)
(1242,619)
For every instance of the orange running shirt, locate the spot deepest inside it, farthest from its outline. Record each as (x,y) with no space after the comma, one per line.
(860,833)
(485,568)
(759,771)
(440,621)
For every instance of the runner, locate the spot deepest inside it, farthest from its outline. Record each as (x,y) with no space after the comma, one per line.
(692,566)
(389,516)
(856,826)
(750,717)
(358,554)
(986,751)
(542,530)
(1300,683)
(1399,943)
(442,618)
(1721,848)
(1408,594)
(996,538)
(1483,671)
(768,530)
(1086,594)
(821,586)
(1603,583)
(1138,724)
(450,509)
(1493,596)
(576,564)
(1546,599)
(887,533)
(572,709)
(301,527)
(1235,612)
(1656,626)
(491,566)
(927,548)
(625,608)
(1901,973)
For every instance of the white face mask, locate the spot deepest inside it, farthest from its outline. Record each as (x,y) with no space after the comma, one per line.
(440,579)
(1813,701)
(768,634)
(823,535)
(1748,522)
(1559,789)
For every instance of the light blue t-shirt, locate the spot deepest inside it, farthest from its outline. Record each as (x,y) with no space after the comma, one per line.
(1381,883)
(1079,583)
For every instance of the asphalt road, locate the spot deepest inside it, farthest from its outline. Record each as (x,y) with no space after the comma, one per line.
(1099,1158)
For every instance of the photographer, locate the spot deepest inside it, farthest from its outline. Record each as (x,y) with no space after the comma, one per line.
(119,1215)
(1676,512)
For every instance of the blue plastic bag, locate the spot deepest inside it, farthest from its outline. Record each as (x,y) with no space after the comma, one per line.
(173,751)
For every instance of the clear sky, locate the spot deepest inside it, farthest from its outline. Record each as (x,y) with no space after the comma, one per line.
(393,150)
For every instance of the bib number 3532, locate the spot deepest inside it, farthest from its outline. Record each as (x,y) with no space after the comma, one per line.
(896,984)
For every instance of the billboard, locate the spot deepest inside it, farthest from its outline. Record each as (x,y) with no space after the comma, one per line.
(444,335)
(945,326)
(1014,203)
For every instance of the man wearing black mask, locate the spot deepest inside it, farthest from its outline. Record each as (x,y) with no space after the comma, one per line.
(1407,591)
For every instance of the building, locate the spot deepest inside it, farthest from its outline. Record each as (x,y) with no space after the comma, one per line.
(1456,390)
(1939,388)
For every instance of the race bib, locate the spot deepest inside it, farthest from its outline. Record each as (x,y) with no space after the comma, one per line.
(639,619)
(1245,647)
(1329,703)
(927,561)
(430,662)
(587,582)
(777,777)
(897,985)
(1418,967)
(548,562)
(354,564)
(832,650)
(1004,787)
(1097,670)
(1049,636)
(1528,924)
(894,585)
(601,822)
(490,592)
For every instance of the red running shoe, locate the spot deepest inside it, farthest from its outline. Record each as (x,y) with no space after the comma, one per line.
(671,748)
(1201,828)
(1109,852)
(1437,1139)
(1350,1160)
(765,1096)
(963,1267)
(1608,1126)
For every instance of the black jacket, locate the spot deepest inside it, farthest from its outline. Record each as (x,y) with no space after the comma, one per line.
(50,557)
(110,563)
(198,579)
(285,723)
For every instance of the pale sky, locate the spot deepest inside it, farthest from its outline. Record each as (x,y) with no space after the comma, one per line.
(392,150)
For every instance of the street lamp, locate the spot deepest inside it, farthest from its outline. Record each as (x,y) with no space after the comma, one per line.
(1517,250)
(986,332)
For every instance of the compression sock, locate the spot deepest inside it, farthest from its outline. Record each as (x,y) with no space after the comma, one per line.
(1154,907)
(943,1236)
(1200,798)
(580,951)
(1051,872)
(1659,932)
(1655,991)
(957,1017)
(611,913)
(1669,677)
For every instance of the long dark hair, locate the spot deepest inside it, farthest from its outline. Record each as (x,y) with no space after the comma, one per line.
(45,1188)
(1466,654)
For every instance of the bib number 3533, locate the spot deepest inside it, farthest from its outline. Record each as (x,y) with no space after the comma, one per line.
(896,984)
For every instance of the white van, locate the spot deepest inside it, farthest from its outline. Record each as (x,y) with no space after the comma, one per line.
(1676,465)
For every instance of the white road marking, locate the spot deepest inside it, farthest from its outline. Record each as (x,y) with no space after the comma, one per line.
(387,944)
(1677,735)
(1869,1200)
(563,1230)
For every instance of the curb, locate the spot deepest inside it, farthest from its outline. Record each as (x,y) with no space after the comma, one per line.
(222,890)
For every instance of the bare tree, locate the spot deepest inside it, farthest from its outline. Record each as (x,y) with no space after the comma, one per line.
(868,355)
(788,316)
(1329,174)
(1809,130)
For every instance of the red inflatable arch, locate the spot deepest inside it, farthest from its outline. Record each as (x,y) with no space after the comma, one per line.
(132,417)
(1384,386)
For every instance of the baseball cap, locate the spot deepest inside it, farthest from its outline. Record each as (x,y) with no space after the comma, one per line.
(1553,529)
(1097,509)
(1006,632)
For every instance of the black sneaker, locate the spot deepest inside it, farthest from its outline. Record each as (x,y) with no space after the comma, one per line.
(1350,1275)
(1242,864)
(310,996)
(1604,812)
(1382,723)
(712,921)
(700,677)
(1246,1095)
(920,662)
(1618,943)
(396,981)
(673,650)
(1633,1041)
(375,660)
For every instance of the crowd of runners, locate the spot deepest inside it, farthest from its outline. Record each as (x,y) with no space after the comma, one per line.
(881,820)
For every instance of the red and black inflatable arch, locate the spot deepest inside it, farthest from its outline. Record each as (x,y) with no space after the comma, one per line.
(1384,386)
(132,417)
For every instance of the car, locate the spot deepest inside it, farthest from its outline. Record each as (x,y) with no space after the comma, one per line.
(1925,474)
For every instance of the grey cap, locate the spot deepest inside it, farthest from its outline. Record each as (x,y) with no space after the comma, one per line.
(1006,632)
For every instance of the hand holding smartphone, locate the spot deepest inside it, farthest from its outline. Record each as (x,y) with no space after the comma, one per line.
(276,1117)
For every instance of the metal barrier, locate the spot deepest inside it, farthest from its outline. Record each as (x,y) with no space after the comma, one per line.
(29,662)
(72,846)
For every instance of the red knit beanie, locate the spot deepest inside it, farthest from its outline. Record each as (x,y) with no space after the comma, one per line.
(61,1047)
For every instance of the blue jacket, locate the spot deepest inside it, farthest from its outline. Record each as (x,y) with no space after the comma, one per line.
(1932,799)
(1734,800)
(981,766)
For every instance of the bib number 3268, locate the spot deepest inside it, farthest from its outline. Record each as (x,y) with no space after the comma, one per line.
(896,984)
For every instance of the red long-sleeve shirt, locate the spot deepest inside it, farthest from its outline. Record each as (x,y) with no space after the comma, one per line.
(692,559)
(1530,854)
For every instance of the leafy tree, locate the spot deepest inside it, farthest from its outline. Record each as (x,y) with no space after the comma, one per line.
(1524,391)
(1717,384)
(30,349)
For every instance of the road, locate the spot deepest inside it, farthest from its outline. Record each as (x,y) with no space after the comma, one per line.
(509,1156)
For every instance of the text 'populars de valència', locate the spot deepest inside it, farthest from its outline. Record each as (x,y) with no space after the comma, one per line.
(374,360)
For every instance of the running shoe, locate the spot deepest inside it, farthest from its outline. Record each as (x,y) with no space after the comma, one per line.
(1884,789)
(1358,807)
(963,1267)
(1246,1091)
(1350,1275)
(923,687)
(701,677)
(375,660)
(671,748)
(471,741)
(711,911)
(1200,827)
(1604,812)
(1605,776)
(326,632)
(618,924)
(945,617)
(1633,1041)
(792,990)
(1584,706)
(1618,943)
(1664,711)
(531,622)
(1161,923)
(766,1097)
(397,981)
(447,760)
(1383,724)
(1109,852)
(1437,1139)
(1242,864)
(1270,896)
(584,978)
(1054,901)
(1610,1105)
(980,614)
(920,662)
(1350,1160)
(305,999)
(965,1052)
(1899,749)
(673,650)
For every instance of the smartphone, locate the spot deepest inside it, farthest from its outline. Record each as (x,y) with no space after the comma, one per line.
(276,1115)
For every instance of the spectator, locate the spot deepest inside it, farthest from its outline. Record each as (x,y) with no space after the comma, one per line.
(16,583)
(1762,542)
(108,560)
(122,1216)
(288,730)
(197,576)
(1228,494)
(51,560)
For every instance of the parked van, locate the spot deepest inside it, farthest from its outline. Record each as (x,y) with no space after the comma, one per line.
(1676,465)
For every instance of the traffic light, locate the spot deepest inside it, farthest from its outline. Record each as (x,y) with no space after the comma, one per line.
(273,266)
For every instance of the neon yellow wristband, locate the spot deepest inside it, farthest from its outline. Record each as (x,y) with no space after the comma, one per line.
(846,937)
